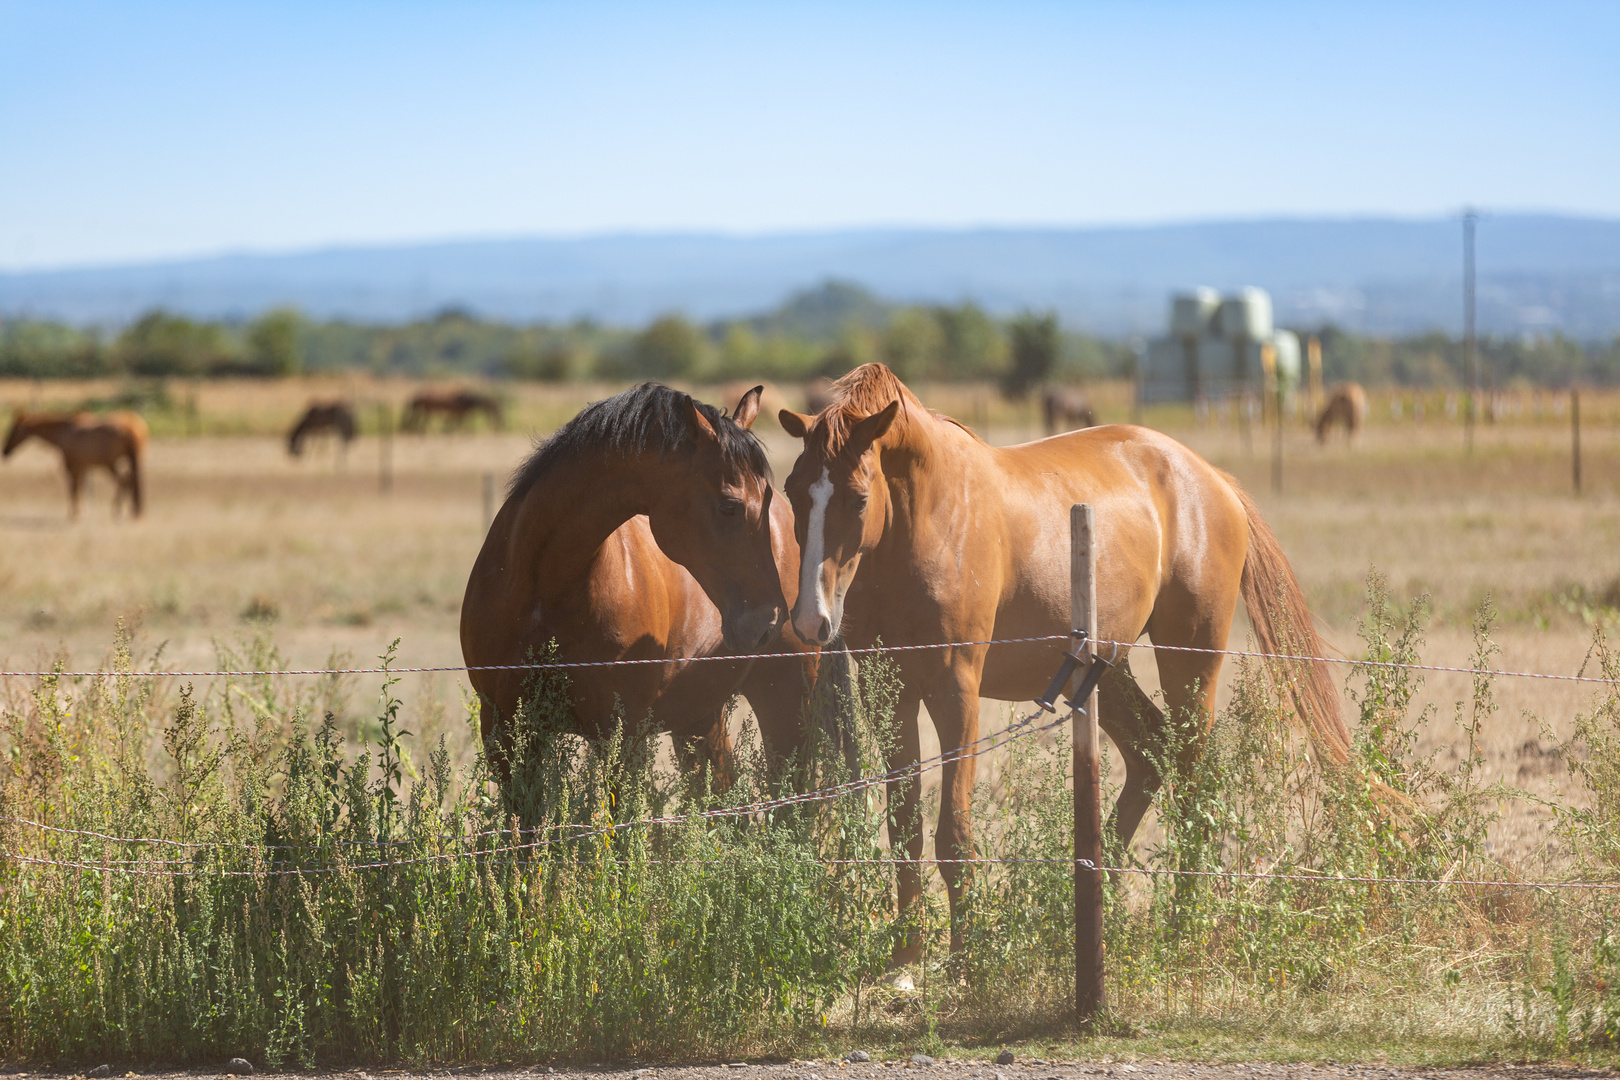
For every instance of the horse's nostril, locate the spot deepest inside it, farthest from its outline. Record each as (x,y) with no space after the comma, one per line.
(824,630)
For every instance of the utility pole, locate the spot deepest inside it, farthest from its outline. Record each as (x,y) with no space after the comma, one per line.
(1470,360)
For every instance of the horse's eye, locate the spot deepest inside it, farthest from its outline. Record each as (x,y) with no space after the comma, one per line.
(731,507)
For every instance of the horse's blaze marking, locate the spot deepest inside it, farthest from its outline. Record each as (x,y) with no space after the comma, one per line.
(815,535)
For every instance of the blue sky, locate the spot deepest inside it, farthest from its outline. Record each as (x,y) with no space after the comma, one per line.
(136,131)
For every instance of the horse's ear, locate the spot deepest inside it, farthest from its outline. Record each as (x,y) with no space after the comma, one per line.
(700,424)
(748,408)
(871,429)
(793,423)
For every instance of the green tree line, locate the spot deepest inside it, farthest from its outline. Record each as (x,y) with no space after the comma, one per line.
(823,331)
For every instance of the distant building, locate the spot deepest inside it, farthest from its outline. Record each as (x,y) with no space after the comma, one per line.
(1216,347)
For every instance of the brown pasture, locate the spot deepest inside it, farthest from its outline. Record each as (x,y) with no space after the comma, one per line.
(237,535)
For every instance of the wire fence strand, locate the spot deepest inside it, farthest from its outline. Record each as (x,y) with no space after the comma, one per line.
(876,650)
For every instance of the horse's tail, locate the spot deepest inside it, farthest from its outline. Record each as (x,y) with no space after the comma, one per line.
(1282,626)
(137,434)
(135,482)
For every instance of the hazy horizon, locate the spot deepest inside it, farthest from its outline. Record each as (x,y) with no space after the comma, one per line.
(181,130)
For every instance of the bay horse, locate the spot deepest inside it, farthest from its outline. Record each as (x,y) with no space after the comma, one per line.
(1347,407)
(455,406)
(643,529)
(87,442)
(914,531)
(321,417)
(1066,406)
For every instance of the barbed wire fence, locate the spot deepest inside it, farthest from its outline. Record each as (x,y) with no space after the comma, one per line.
(1082,667)
(1021,728)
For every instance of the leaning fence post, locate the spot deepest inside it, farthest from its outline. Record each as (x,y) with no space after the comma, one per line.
(1089,1000)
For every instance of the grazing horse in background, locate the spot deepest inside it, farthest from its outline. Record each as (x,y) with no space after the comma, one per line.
(914,531)
(455,406)
(321,417)
(1065,409)
(88,442)
(1346,406)
(645,528)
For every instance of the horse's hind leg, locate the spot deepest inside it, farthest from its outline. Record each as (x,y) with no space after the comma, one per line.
(1190,678)
(1136,726)
(120,488)
(74,478)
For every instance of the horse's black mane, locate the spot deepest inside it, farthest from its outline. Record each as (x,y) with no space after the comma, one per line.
(646,418)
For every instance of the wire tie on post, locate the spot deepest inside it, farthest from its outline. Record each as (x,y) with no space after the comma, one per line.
(1074,657)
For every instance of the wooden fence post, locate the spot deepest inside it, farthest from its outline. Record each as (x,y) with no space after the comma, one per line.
(385,449)
(1089,999)
(1575,432)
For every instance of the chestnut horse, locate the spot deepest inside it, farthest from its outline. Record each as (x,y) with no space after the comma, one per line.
(89,442)
(322,416)
(1346,406)
(455,407)
(914,531)
(643,529)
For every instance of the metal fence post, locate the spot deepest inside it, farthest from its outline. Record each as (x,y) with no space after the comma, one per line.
(1089,999)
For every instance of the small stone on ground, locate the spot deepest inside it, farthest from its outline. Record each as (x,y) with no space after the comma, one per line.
(1005,1057)
(100,1070)
(921,1060)
(239,1067)
(855,1057)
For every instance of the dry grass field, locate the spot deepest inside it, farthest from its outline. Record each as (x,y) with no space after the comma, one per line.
(239,538)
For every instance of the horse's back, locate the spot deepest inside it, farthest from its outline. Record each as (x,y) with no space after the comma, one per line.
(133,425)
(1165,520)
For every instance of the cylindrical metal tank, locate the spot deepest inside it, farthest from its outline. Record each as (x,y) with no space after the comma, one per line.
(1191,313)
(1246,314)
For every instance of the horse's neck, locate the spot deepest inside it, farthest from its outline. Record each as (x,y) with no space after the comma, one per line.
(565,518)
(925,470)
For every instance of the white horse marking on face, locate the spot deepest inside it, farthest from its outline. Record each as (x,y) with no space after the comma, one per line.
(815,548)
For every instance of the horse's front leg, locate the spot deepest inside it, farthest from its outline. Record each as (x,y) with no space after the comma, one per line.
(954,706)
(74,478)
(905,824)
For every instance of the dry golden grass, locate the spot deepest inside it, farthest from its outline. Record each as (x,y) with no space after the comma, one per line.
(234,527)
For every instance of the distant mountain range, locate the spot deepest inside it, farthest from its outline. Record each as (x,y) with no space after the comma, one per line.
(1537,273)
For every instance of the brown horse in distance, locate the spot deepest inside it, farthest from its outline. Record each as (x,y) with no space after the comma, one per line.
(322,417)
(1066,408)
(455,406)
(914,531)
(644,529)
(87,442)
(1347,407)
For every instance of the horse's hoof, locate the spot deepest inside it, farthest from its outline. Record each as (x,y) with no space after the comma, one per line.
(904,956)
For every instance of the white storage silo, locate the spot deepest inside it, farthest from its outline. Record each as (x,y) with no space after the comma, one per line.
(1246,314)
(1288,366)
(1193,313)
